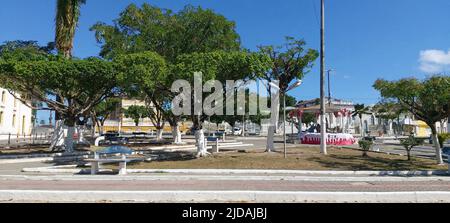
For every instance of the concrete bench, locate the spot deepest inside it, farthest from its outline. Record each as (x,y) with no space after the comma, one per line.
(95,164)
(216,145)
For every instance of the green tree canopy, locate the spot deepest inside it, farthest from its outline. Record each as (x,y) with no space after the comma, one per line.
(82,84)
(149,28)
(29,50)
(191,40)
(136,112)
(288,62)
(145,71)
(388,109)
(220,65)
(427,100)
(104,109)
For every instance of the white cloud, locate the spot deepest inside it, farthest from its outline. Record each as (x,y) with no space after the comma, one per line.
(434,61)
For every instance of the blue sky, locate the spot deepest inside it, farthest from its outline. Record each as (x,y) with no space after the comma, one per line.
(365,39)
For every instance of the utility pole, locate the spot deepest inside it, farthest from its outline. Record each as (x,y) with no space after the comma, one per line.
(323,128)
(329,88)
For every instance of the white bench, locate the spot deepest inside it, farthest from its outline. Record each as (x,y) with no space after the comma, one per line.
(95,164)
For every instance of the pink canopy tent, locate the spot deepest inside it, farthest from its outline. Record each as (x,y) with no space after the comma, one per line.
(338,109)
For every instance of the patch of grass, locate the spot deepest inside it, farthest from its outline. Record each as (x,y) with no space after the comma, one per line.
(301,158)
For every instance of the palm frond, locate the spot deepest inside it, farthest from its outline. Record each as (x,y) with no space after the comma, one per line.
(66,22)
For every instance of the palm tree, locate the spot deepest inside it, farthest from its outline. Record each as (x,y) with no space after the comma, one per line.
(66,22)
(360,110)
(67,16)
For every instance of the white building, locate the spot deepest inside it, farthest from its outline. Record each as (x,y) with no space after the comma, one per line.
(15,117)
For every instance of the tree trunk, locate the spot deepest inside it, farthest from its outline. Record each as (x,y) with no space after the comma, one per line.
(69,139)
(176,134)
(101,129)
(270,147)
(201,144)
(159,133)
(199,136)
(361,126)
(94,124)
(408,152)
(57,140)
(277,117)
(300,126)
(437,147)
(80,134)
(397,133)
(274,116)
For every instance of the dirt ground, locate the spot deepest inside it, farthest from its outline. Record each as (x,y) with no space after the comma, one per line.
(300,158)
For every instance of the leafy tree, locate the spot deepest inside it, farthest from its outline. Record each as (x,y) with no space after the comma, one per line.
(365,145)
(20,50)
(169,34)
(427,100)
(148,72)
(156,115)
(390,110)
(308,118)
(291,101)
(249,101)
(442,138)
(82,84)
(103,111)
(288,63)
(360,110)
(149,28)
(219,66)
(409,143)
(66,22)
(136,112)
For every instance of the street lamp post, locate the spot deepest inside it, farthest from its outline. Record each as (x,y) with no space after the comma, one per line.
(293,86)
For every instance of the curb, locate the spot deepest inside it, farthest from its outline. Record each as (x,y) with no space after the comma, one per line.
(203,177)
(224,196)
(40,157)
(300,172)
(26,160)
(242,171)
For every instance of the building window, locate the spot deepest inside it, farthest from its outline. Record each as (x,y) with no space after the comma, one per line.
(14,121)
(1,117)
(23,125)
(3,96)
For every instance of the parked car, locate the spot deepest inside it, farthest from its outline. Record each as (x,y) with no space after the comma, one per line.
(219,133)
(237,131)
